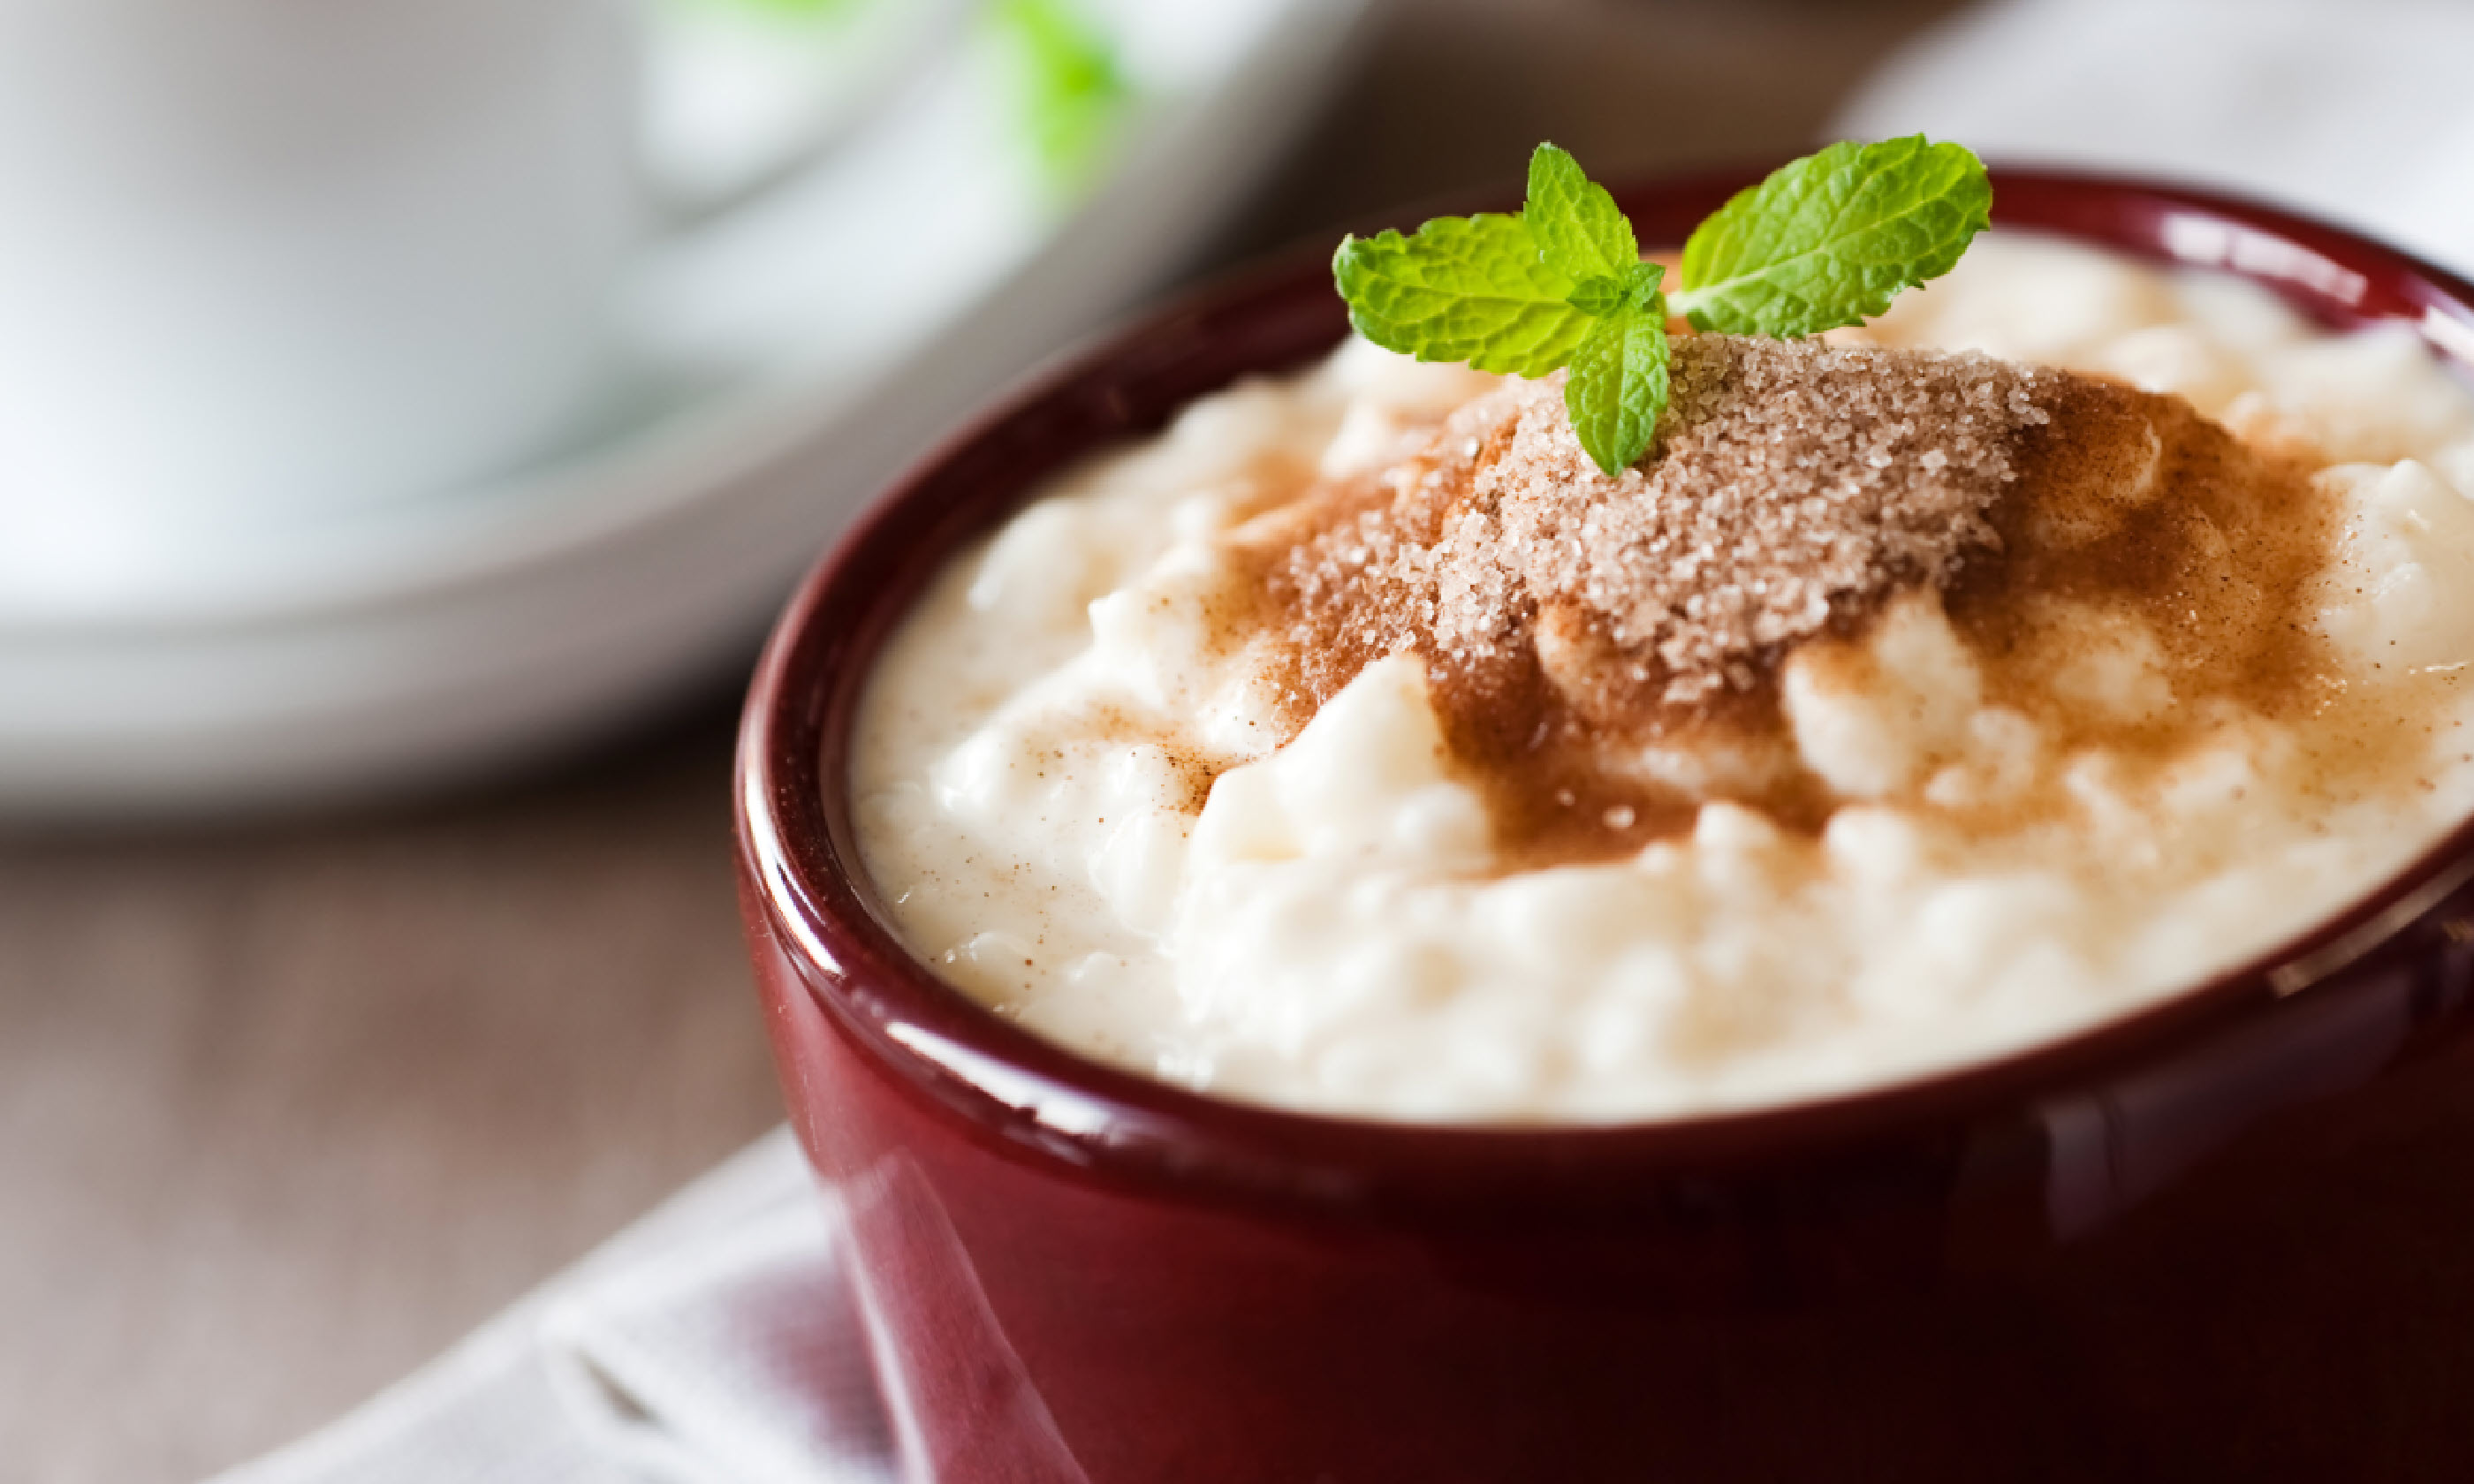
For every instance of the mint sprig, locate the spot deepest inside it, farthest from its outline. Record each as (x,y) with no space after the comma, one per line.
(1824,242)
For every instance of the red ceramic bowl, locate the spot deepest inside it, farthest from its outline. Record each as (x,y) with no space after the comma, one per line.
(2230,1236)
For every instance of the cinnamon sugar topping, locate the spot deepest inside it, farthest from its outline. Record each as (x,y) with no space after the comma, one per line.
(1795,486)
(1792,483)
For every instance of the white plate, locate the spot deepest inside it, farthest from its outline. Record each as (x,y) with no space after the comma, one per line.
(800,353)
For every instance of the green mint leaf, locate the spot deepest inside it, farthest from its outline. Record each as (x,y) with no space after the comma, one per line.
(1617,386)
(1462,288)
(1831,238)
(1601,296)
(1580,229)
(1074,91)
(1611,293)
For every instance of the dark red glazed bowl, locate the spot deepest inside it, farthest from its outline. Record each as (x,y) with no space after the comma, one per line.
(2231,1236)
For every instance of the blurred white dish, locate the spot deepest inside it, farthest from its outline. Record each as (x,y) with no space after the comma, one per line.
(2355,110)
(802,351)
(263,261)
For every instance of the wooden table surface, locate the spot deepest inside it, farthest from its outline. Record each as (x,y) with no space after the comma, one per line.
(287,1106)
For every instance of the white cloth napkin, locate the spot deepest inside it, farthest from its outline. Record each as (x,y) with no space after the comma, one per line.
(715,1342)
(2355,109)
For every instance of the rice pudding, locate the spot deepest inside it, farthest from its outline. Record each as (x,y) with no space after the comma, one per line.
(2068,634)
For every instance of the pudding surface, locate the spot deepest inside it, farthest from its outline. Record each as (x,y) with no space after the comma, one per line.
(2071,632)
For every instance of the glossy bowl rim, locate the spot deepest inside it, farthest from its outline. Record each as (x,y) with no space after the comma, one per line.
(1092,1122)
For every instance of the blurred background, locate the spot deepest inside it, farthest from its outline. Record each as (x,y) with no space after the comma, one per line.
(412,411)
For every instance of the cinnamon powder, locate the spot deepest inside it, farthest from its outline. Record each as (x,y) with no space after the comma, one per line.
(1572,623)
